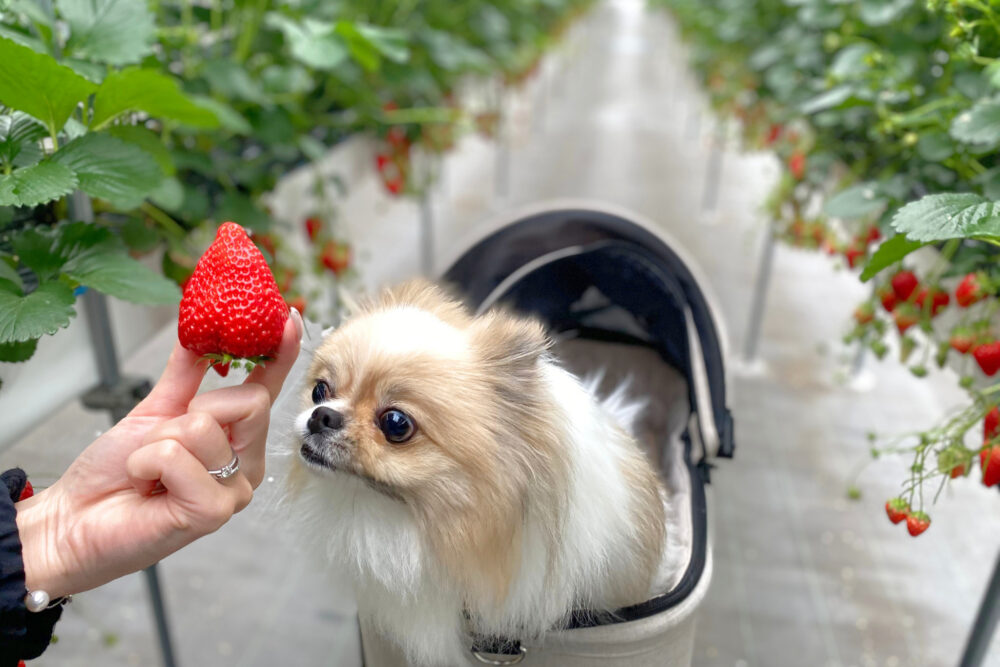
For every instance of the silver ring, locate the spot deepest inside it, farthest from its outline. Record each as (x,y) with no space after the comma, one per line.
(227,470)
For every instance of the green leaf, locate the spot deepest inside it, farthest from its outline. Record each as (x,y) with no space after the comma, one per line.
(888,253)
(827,100)
(948,216)
(856,202)
(117,32)
(19,136)
(108,268)
(391,43)
(36,84)
(311,42)
(882,12)
(935,146)
(850,61)
(232,81)
(135,89)
(992,73)
(228,117)
(36,185)
(44,311)
(148,141)
(14,353)
(979,125)
(237,207)
(10,277)
(111,169)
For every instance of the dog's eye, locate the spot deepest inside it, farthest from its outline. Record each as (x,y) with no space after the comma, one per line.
(396,426)
(321,391)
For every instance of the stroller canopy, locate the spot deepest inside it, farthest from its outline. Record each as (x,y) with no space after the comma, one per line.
(592,273)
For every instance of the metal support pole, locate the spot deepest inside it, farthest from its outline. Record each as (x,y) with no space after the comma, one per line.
(759,296)
(985,623)
(713,171)
(426,233)
(501,171)
(117,395)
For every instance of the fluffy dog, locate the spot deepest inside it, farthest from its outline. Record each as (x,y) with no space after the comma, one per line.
(469,483)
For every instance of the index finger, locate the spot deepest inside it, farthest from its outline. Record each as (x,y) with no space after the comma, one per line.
(272,374)
(177,386)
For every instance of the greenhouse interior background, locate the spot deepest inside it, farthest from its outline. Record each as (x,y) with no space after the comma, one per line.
(829,167)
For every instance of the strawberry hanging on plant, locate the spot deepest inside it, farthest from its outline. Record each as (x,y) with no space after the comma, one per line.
(231,308)
(903,285)
(897,509)
(336,257)
(973,288)
(961,339)
(932,300)
(797,165)
(987,355)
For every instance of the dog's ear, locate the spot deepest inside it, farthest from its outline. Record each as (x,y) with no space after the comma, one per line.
(508,341)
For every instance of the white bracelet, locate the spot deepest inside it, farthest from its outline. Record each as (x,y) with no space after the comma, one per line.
(37,601)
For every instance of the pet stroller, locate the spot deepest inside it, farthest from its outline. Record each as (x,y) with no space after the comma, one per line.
(622,300)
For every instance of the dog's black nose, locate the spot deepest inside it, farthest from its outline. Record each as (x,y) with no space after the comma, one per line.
(325,419)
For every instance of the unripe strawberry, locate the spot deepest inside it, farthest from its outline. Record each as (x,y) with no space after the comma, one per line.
(231,308)
(962,340)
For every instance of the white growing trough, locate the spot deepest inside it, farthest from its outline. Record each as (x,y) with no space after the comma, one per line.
(622,299)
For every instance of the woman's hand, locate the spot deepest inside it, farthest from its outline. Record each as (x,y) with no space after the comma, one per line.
(142,490)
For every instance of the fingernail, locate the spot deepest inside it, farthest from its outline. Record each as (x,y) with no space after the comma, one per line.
(297,319)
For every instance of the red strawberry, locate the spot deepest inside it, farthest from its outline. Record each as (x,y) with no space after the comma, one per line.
(957,471)
(27,491)
(904,316)
(864,313)
(961,340)
(989,461)
(897,509)
(903,284)
(939,299)
(313,227)
(991,424)
(231,307)
(797,165)
(873,235)
(773,134)
(987,355)
(970,290)
(917,523)
(336,257)
(852,254)
(888,297)
(397,138)
(221,367)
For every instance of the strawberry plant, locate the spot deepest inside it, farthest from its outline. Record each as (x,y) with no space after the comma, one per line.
(883,116)
(173,117)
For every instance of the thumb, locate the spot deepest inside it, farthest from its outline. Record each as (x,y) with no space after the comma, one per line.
(176,387)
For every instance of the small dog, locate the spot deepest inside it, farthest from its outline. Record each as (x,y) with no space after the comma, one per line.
(468,482)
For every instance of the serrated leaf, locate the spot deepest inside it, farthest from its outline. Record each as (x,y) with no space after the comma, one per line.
(136,89)
(19,136)
(888,253)
(118,32)
(108,268)
(311,42)
(948,216)
(44,311)
(856,202)
(979,125)
(36,84)
(14,353)
(111,169)
(36,185)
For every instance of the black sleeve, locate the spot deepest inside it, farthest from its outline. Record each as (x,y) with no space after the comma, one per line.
(23,635)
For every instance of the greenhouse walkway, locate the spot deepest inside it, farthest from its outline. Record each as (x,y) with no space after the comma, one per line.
(802,575)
